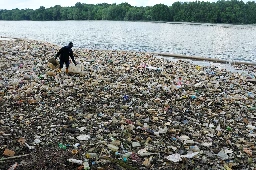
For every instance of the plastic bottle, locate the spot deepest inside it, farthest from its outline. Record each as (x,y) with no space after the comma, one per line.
(86,165)
(75,161)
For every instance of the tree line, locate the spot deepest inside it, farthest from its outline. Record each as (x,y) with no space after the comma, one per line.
(233,11)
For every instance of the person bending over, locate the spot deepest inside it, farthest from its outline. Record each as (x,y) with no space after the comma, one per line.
(64,53)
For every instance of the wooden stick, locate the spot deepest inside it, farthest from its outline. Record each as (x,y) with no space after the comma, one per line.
(14,157)
(204,59)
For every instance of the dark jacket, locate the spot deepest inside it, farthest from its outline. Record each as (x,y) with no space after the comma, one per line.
(64,53)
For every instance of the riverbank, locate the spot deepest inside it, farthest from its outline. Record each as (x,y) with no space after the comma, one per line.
(124,110)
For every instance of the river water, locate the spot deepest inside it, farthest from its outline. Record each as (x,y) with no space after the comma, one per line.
(222,41)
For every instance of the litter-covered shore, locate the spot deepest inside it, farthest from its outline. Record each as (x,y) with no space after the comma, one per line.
(122,110)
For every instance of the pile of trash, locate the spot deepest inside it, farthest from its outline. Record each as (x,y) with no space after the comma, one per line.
(122,110)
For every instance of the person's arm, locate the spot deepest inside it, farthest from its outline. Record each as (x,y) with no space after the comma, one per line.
(72,57)
(58,53)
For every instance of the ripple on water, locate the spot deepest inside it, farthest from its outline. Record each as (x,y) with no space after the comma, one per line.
(214,41)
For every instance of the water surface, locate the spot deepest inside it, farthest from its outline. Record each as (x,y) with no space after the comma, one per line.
(222,41)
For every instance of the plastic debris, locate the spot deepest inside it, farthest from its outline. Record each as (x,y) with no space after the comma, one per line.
(86,165)
(83,137)
(91,155)
(76,161)
(121,109)
(223,155)
(62,146)
(174,157)
(135,144)
(29,147)
(248,151)
(146,162)
(190,155)
(144,152)
(8,152)
(113,147)
(177,157)
(14,166)
(74,151)
(76,145)
(22,141)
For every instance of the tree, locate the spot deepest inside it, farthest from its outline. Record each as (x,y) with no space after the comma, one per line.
(161,12)
(40,14)
(222,11)
(134,14)
(147,14)
(56,12)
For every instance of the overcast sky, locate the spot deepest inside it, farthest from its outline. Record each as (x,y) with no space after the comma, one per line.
(35,4)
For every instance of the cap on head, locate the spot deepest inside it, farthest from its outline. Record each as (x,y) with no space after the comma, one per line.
(70,44)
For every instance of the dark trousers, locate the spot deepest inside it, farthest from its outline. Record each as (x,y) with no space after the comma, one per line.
(62,62)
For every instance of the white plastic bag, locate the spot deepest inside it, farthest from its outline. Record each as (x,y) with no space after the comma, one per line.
(74,69)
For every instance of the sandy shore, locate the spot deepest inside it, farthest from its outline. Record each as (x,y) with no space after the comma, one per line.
(122,110)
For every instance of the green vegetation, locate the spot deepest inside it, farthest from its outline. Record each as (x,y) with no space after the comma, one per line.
(233,11)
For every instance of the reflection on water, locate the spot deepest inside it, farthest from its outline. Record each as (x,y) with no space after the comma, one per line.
(228,42)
